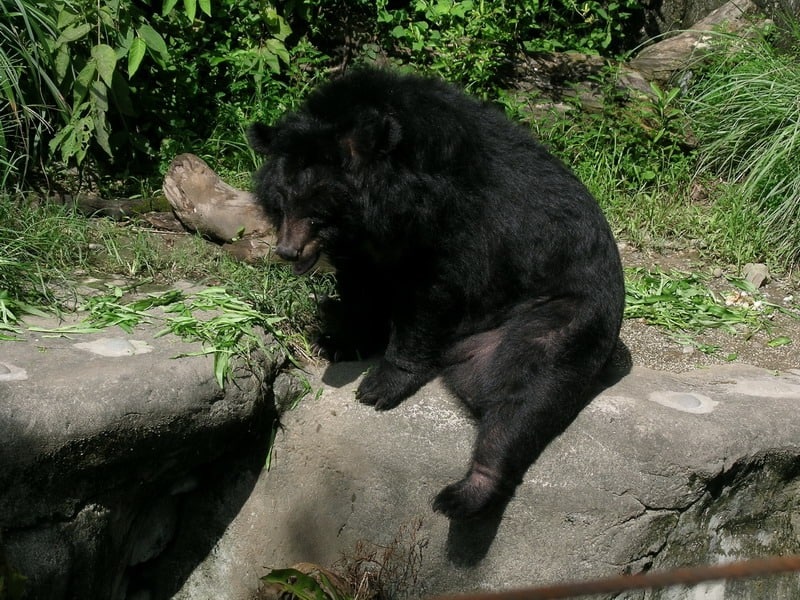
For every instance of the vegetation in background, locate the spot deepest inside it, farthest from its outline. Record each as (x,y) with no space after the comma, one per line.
(634,158)
(746,115)
(48,251)
(116,87)
(28,94)
(475,42)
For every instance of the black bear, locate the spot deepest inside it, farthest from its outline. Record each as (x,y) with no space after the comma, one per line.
(462,248)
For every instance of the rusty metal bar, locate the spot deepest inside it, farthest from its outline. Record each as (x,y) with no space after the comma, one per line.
(621,583)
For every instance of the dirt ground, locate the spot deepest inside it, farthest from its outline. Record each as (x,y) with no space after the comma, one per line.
(654,348)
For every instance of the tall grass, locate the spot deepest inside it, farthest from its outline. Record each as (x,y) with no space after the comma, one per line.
(29,98)
(746,114)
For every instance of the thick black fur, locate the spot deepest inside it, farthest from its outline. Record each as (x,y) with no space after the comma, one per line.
(462,249)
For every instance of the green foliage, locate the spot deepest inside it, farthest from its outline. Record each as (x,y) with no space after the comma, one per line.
(37,243)
(304,587)
(110,80)
(99,48)
(633,156)
(227,327)
(123,83)
(473,41)
(28,95)
(747,118)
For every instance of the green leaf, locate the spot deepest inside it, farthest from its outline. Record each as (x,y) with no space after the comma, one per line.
(153,39)
(135,55)
(62,62)
(190,6)
(99,97)
(168,7)
(106,60)
(205,6)
(83,82)
(399,32)
(221,366)
(65,18)
(73,33)
(779,341)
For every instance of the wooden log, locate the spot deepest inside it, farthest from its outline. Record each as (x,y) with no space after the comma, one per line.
(207,205)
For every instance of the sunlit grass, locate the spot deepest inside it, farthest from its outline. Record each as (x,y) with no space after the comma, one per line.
(746,113)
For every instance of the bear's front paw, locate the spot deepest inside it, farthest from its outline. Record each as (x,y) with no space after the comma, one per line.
(334,349)
(464,499)
(386,386)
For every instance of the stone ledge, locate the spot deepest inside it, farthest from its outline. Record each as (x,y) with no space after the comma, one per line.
(109,443)
(660,470)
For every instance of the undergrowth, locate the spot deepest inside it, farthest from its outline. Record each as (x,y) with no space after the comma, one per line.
(48,253)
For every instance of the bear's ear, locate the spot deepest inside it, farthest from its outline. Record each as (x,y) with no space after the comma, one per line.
(374,135)
(260,137)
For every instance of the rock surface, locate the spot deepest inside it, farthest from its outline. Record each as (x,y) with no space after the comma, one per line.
(113,451)
(660,470)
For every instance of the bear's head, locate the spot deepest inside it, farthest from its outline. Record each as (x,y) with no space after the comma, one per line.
(314,184)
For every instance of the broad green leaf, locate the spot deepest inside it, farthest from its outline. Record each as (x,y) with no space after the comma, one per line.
(399,32)
(205,6)
(62,62)
(72,33)
(99,97)
(65,18)
(106,60)
(190,6)
(135,55)
(83,82)
(779,341)
(169,5)
(153,39)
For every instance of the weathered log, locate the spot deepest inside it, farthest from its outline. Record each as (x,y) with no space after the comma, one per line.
(207,205)
(663,59)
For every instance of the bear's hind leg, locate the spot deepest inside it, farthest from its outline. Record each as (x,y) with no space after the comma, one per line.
(523,399)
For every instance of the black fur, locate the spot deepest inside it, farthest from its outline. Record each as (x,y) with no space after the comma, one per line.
(462,249)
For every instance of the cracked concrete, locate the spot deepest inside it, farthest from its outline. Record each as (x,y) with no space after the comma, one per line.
(660,470)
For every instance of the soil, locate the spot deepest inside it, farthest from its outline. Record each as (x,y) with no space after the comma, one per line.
(653,347)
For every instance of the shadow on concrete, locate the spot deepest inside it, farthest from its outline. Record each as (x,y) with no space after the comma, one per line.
(340,374)
(204,512)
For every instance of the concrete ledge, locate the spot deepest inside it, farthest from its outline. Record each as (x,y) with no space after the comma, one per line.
(659,470)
